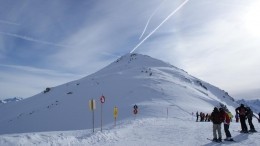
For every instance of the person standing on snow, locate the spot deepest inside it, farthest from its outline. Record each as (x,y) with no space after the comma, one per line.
(209,118)
(259,117)
(249,118)
(227,116)
(206,117)
(241,110)
(216,120)
(201,116)
(197,115)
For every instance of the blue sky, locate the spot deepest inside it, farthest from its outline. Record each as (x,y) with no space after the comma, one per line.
(48,43)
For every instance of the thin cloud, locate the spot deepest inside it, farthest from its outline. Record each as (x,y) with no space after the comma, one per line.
(218,49)
(27,81)
(9,22)
(204,38)
(36,70)
(34,40)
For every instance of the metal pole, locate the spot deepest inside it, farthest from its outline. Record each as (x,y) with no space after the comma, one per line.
(101,115)
(93,119)
(167,112)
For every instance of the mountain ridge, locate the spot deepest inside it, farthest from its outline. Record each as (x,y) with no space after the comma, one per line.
(132,79)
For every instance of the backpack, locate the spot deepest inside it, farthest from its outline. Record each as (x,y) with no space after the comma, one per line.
(242,111)
(230,115)
(250,114)
(227,118)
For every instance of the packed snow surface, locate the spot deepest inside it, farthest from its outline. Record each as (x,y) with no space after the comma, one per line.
(149,131)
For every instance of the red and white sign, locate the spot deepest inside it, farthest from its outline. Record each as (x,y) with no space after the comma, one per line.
(102,99)
(135,111)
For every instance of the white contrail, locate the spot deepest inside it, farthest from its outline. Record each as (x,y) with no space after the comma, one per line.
(150,19)
(176,10)
(33,40)
(8,22)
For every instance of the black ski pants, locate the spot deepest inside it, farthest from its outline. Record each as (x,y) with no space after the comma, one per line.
(251,124)
(226,129)
(243,123)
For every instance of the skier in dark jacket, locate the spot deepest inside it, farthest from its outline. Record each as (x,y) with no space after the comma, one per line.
(206,117)
(242,111)
(249,118)
(216,119)
(259,117)
(197,115)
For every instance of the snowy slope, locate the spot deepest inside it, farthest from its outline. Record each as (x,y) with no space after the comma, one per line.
(136,132)
(8,100)
(153,85)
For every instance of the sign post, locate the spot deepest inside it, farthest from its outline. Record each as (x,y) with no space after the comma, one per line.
(102,100)
(135,111)
(167,112)
(115,113)
(92,107)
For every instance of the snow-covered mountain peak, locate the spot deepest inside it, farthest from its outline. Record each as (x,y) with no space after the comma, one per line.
(132,79)
(167,100)
(135,59)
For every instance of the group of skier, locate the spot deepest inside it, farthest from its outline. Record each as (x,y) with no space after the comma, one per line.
(223,115)
(203,117)
(219,116)
(245,113)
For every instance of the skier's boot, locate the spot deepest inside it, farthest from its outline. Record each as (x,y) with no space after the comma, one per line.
(219,139)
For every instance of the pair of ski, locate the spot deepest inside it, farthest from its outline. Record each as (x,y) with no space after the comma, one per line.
(220,141)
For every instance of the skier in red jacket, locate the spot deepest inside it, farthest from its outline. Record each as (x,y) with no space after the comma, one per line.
(226,120)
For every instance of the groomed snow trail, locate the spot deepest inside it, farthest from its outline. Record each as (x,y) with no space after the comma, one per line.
(138,132)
